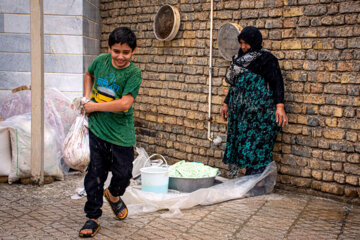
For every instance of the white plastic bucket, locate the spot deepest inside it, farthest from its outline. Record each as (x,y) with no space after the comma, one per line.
(155,178)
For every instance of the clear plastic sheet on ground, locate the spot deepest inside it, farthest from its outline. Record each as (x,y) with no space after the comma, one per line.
(140,202)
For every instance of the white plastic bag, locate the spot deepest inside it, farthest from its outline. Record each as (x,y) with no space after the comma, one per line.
(76,150)
(139,162)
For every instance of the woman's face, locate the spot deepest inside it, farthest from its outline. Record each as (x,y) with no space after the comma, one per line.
(244,46)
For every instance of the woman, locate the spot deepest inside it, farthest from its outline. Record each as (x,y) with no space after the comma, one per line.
(254,106)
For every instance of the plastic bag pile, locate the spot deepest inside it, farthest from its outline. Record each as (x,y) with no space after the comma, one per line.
(15,110)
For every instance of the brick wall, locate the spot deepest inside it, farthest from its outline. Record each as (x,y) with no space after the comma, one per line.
(318,46)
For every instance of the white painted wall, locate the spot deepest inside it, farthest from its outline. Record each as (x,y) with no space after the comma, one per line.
(71,42)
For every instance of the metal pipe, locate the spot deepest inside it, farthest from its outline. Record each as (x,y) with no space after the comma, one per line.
(210,69)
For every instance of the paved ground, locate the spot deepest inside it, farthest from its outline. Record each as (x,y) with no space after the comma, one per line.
(29,212)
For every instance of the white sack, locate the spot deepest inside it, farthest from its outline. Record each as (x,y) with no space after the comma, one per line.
(5,152)
(20,136)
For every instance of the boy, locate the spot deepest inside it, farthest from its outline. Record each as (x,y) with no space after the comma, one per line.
(111,83)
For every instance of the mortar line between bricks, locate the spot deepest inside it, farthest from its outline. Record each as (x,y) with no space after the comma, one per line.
(15,218)
(348,210)
(139,229)
(48,224)
(37,219)
(248,219)
(187,231)
(297,219)
(104,234)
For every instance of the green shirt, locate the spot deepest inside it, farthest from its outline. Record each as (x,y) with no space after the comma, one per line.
(111,83)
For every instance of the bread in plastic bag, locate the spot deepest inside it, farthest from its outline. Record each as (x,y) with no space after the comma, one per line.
(76,150)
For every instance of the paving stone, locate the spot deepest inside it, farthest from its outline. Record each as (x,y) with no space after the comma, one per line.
(48,212)
(270,222)
(258,233)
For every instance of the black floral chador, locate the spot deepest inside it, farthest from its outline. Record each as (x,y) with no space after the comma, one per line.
(256,86)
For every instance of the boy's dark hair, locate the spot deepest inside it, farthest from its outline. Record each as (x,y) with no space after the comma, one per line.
(122,35)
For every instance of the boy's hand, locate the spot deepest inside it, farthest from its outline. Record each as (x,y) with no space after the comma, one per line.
(89,107)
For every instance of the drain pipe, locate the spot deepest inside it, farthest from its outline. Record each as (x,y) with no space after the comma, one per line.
(211,70)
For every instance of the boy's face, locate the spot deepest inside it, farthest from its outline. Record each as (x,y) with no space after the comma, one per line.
(121,54)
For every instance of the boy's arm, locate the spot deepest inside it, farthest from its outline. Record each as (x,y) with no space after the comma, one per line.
(88,84)
(119,105)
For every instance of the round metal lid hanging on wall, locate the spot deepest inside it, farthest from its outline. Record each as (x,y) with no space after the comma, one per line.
(227,40)
(167,23)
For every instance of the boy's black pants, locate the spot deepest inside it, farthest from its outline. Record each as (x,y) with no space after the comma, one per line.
(105,157)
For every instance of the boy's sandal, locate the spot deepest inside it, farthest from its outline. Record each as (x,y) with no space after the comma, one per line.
(116,207)
(90,224)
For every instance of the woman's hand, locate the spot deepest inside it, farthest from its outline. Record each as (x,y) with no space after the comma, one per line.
(225,112)
(280,115)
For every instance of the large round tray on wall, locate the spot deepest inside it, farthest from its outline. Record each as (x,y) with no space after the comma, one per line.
(167,23)
(227,40)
